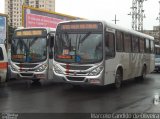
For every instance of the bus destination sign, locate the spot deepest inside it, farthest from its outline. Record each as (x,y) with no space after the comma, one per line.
(78,26)
(29,33)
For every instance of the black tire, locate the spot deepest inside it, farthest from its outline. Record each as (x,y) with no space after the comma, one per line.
(118,79)
(35,80)
(144,73)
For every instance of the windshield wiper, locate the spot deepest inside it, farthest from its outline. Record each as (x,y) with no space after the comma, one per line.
(84,37)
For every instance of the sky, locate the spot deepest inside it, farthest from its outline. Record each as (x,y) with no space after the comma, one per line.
(106,10)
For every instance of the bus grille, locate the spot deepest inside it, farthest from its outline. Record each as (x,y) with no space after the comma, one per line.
(27,65)
(27,74)
(76,67)
(75,78)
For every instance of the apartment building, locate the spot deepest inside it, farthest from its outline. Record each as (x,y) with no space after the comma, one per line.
(14,9)
(155,33)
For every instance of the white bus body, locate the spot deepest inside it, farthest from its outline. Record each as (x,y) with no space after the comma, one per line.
(3,63)
(31,53)
(124,53)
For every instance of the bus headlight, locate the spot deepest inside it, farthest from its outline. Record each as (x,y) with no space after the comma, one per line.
(96,71)
(41,68)
(13,68)
(57,69)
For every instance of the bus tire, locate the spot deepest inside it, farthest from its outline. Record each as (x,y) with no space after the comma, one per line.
(144,72)
(35,80)
(118,79)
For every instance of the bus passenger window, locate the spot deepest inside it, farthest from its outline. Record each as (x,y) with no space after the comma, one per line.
(147,46)
(141,44)
(135,44)
(109,45)
(119,41)
(127,42)
(152,46)
(1,54)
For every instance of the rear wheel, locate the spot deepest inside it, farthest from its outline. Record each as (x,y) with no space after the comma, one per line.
(36,82)
(118,79)
(144,73)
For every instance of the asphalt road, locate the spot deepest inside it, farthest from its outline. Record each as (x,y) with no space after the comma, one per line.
(134,96)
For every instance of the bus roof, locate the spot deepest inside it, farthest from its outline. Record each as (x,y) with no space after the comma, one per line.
(157,46)
(114,26)
(47,28)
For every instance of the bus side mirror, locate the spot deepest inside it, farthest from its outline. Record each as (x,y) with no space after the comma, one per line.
(51,44)
(51,39)
(51,55)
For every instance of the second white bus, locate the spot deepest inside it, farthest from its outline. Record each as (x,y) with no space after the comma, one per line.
(32,53)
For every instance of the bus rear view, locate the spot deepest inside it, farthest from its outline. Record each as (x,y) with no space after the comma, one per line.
(78,52)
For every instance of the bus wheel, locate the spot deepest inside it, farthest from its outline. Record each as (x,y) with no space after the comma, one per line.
(118,79)
(35,80)
(144,72)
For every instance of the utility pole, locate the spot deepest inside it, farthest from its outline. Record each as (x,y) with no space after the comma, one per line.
(115,19)
(137,14)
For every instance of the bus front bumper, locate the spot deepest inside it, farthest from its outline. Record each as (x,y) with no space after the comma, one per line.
(89,80)
(29,75)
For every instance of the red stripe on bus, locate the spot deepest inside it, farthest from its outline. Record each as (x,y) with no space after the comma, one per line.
(67,69)
(3,65)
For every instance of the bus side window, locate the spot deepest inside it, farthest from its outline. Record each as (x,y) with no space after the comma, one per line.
(127,43)
(152,47)
(109,45)
(135,44)
(1,55)
(147,46)
(119,41)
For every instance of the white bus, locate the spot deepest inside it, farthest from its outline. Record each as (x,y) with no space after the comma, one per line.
(100,53)
(32,54)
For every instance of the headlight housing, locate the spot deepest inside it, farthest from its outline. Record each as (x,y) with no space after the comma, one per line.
(57,69)
(13,67)
(96,71)
(41,68)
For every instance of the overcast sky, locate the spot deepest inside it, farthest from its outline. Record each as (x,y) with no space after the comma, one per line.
(106,10)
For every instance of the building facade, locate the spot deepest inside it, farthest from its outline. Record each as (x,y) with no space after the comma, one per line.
(155,33)
(13,8)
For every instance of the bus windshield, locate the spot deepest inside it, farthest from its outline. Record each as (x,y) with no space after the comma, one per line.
(78,47)
(29,49)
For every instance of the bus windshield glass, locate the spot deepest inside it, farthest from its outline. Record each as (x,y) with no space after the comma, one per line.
(85,47)
(31,49)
